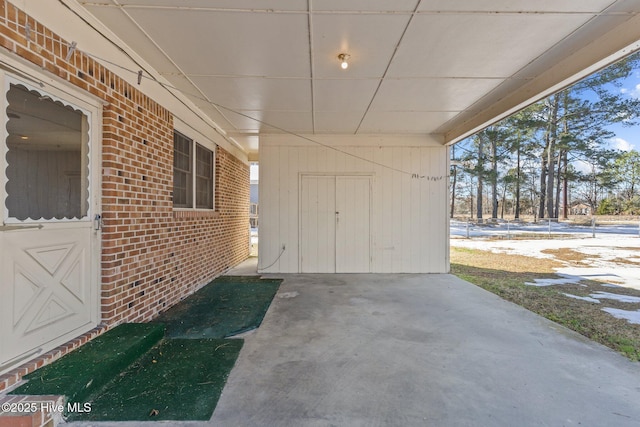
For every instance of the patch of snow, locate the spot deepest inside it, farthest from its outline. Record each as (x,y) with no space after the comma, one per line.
(564,279)
(629,277)
(629,316)
(605,255)
(588,299)
(617,297)
(601,254)
(597,296)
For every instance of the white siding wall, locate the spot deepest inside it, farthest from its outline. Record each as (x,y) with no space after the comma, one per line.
(409,221)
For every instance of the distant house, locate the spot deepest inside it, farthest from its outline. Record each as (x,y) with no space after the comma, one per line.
(580,209)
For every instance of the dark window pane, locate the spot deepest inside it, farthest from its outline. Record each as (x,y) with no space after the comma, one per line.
(204,178)
(182,175)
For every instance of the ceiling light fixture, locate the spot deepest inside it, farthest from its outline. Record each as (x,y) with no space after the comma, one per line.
(344,60)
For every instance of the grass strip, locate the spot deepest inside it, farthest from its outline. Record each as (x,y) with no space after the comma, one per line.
(180,379)
(505,275)
(227,306)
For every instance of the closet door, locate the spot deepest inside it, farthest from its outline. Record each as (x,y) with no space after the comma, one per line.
(335,234)
(318,224)
(353,233)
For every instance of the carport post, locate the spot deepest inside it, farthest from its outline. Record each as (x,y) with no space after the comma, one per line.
(593,228)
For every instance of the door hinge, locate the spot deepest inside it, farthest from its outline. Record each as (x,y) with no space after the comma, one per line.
(97,222)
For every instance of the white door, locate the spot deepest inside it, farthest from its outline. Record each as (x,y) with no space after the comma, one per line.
(353,233)
(317,224)
(335,230)
(48,245)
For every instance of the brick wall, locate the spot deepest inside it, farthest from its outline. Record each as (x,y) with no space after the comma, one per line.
(152,256)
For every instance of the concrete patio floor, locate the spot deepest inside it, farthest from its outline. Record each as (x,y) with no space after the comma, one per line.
(416,350)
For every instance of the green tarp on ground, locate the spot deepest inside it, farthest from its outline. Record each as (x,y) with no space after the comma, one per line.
(225,307)
(180,379)
(125,378)
(81,373)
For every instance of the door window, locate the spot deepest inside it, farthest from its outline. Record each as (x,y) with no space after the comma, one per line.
(47,157)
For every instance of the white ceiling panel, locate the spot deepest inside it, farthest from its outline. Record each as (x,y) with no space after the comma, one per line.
(250,93)
(245,121)
(446,68)
(181,84)
(344,95)
(282,120)
(430,94)
(249,141)
(215,114)
(127,30)
(380,6)
(403,122)
(230,43)
(593,6)
(477,45)
(337,122)
(271,121)
(256,5)
(568,46)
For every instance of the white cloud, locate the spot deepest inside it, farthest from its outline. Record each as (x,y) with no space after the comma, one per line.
(582,166)
(634,92)
(622,144)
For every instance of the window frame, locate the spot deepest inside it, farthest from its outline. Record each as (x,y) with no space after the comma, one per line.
(193,199)
(209,202)
(88,172)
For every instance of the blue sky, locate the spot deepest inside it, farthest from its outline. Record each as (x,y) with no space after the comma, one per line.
(628,138)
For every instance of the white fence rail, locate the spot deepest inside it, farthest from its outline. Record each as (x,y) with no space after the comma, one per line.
(547,227)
